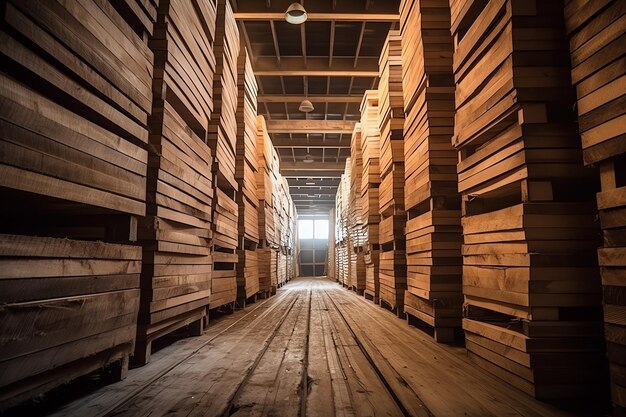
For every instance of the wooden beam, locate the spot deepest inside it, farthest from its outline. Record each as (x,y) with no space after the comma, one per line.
(301,182)
(345,17)
(299,173)
(278,98)
(315,166)
(311,143)
(288,65)
(310,126)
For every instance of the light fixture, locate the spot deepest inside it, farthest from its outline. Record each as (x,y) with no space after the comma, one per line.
(310,181)
(306,106)
(296,14)
(308,159)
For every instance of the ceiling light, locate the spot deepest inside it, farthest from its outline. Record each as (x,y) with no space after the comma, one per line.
(306,106)
(308,159)
(310,181)
(295,14)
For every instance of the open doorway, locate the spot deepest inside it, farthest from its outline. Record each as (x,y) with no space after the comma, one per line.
(313,235)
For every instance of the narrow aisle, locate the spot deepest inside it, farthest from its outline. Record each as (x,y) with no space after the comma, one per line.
(317,350)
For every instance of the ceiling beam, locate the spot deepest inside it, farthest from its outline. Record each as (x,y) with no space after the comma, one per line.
(310,143)
(308,191)
(301,182)
(288,65)
(278,98)
(310,126)
(299,173)
(316,166)
(346,17)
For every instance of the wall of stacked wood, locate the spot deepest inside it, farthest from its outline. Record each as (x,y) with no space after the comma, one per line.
(127,161)
(246,169)
(342,235)
(356,279)
(369,188)
(532,312)
(277,217)
(391,191)
(176,272)
(433,230)
(597,48)
(73,163)
(222,139)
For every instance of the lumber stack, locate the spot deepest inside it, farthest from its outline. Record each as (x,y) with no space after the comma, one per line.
(64,302)
(370,183)
(245,173)
(532,311)
(176,273)
(355,219)
(342,235)
(222,139)
(267,161)
(595,31)
(73,165)
(391,196)
(433,229)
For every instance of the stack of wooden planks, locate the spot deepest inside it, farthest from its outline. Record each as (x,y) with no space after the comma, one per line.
(370,182)
(597,48)
(222,139)
(176,273)
(342,235)
(267,165)
(532,312)
(355,214)
(433,229)
(245,174)
(391,196)
(73,166)
(68,307)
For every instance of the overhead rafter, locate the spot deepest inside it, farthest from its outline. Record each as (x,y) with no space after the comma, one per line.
(310,143)
(283,66)
(278,98)
(345,17)
(310,126)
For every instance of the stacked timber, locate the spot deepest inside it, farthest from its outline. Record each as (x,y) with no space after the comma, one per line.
(370,183)
(266,160)
(73,165)
(532,310)
(342,235)
(176,273)
(597,48)
(391,195)
(433,230)
(246,168)
(355,220)
(222,139)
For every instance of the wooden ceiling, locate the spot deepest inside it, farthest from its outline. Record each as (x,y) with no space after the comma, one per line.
(331,59)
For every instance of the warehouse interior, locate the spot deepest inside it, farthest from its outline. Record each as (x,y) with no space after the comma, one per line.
(314,208)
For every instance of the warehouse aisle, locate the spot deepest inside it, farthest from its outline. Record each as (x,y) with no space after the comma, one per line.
(315,349)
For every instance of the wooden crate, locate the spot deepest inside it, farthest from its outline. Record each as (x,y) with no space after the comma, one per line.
(597,58)
(69,307)
(177,264)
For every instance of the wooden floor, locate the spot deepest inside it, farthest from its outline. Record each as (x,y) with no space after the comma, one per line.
(314,349)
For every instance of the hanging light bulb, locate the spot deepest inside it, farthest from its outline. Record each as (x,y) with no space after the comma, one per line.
(310,181)
(308,159)
(306,106)
(296,14)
